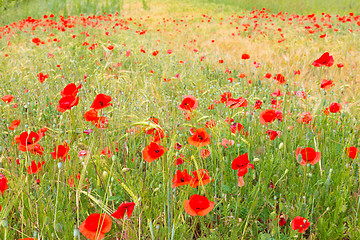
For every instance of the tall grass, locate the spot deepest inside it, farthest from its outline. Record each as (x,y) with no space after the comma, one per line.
(16,10)
(299,7)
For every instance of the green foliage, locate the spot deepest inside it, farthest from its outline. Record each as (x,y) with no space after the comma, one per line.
(15,10)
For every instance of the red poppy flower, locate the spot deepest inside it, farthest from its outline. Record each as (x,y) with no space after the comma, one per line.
(101,122)
(242,75)
(127,207)
(270,115)
(158,134)
(236,127)
(326,84)
(178,146)
(42,77)
(339,65)
(326,111)
(37,41)
(324,60)
(352,152)
(282,221)
(37,150)
(107,152)
(181,178)
(179,160)
(335,107)
(226,143)
(300,223)
(305,117)
(110,47)
(236,103)
(70,90)
(225,97)
(71,181)
(277,93)
(268,75)
(308,155)
(152,152)
(257,105)
(101,101)
(28,141)
(198,205)
(66,103)
(273,134)
(241,162)
(3,183)
(210,124)
(200,138)
(35,168)
(61,152)
(280,78)
(189,103)
(7,98)
(201,177)
(95,226)
(245,56)
(91,116)
(154,120)
(14,124)
(204,153)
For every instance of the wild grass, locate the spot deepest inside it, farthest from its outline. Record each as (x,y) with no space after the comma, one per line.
(298,7)
(143,86)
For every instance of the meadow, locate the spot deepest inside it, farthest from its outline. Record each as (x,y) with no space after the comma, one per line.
(179,120)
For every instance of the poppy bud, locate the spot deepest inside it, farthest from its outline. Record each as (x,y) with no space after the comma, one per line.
(58,227)
(105,174)
(113,157)
(4,223)
(256,160)
(281,145)
(124,170)
(156,189)
(59,165)
(76,233)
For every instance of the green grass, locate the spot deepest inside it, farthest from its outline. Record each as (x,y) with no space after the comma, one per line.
(298,7)
(325,193)
(17,10)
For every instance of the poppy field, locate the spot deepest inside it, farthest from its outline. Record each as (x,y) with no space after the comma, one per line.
(205,123)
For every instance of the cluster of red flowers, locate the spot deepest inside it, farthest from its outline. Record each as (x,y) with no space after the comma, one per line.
(241,164)
(96,225)
(101,101)
(201,177)
(29,142)
(69,97)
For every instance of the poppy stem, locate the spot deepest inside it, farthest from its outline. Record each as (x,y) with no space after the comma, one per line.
(124,153)
(102,184)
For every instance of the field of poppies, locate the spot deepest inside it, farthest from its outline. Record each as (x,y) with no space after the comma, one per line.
(180,120)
